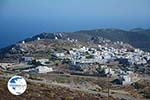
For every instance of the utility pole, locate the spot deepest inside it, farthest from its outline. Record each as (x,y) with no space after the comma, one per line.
(145,76)
(108,75)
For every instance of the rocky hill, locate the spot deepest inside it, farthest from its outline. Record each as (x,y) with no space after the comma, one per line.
(47,42)
(138,37)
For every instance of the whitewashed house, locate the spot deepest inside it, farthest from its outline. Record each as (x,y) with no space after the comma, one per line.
(42,61)
(56,38)
(38,38)
(126,80)
(109,71)
(27,59)
(43,69)
(60,55)
(23,42)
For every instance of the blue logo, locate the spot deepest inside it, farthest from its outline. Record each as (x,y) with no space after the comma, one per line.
(17,85)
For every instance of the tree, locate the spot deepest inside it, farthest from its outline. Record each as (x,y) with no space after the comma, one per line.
(100,70)
(36,63)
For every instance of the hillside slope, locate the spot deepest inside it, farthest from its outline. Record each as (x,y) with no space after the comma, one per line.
(139,38)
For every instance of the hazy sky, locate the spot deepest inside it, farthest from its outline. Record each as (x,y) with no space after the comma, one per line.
(21,18)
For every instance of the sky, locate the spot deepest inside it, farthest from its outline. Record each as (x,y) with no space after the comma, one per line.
(20,19)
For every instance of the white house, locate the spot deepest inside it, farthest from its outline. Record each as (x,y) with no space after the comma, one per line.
(110,71)
(60,55)
(127,80)
(23,42)
(38,38)
(43,69)
(42,61)
(27,59)
(56,38)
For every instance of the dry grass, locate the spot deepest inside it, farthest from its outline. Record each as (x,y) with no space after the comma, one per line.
(46,92)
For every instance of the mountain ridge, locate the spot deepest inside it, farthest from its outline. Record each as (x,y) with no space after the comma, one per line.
(137,37)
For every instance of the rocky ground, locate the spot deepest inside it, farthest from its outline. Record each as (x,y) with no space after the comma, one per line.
(37,91)
(62,87)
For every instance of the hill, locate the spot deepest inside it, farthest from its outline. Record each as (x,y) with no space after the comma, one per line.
(37,91)
(138,37)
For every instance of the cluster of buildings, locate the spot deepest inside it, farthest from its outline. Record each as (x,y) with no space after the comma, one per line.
(83,58)
(104,54)
(127,77)
(89,59)
(42,66)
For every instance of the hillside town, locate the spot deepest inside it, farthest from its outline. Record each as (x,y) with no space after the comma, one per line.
(83,58)
(102,60)
(113,63)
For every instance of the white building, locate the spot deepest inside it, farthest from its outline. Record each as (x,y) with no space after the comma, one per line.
(23,42)
(43,69)
(56,38)
(110,71)
(27,59)
(127,80)
(42,61)
(38,38)
(60,55)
